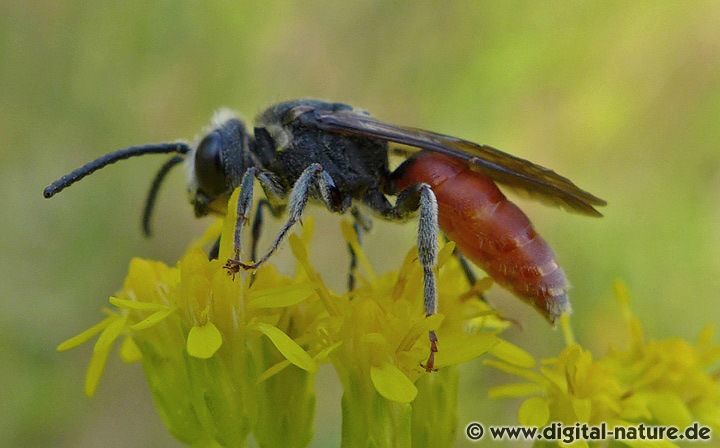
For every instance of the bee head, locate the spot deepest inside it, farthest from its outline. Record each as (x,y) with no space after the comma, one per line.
(217,162)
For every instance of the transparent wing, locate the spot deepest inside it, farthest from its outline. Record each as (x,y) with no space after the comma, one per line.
(539,182)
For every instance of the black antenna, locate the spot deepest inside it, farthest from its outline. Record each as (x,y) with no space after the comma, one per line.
(154,189)
(107,159)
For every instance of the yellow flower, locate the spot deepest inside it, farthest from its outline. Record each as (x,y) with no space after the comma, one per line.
(659,382)
(226,357)
(672,377)
(202,337)
(381,334)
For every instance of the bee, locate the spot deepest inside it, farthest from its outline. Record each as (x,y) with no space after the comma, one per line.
(338,156)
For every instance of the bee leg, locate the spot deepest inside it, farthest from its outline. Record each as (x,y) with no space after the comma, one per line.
(465,265)
(361,225)
(257,227)
(214,250)
(470,275)
(258,222)
(314,175)
(244,206)
(410,200)
(353,257)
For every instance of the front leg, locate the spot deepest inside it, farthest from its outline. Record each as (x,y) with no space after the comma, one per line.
(418,197)
(330,194)
(272,190)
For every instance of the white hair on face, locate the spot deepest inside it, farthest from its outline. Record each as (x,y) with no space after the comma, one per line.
(190,169)
(222,115)
(219,118)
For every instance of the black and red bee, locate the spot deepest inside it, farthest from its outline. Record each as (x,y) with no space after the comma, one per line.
(337,155)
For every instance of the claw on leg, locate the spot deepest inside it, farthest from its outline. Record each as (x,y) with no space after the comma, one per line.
(232,266)
(430,363)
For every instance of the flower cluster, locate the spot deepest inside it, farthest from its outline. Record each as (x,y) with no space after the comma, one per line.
(658,382)
(227,357)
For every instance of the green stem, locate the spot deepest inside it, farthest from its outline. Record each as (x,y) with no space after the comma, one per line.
(369,420)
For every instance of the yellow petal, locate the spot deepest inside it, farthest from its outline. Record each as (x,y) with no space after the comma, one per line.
(199,290)
(623,298)
(515,390)
(108,336)
(129,351)
(512,354)
(404,273)
(351,238)
(567,329)
(228,232)
(582,409)
(706,336)
(87,334)
(152,319)
(637,335)
(517,371)
(279,367)
(534,411)
(669,409)
(374,339)
(308,229)
(392,384)
(280,296)
(273,370)
(301,255)
(101,352)
(555,377)
(445,254)
(289,348)
(710,355)
(430,323)
(95,369)
(193,263)
(204,341)
(324,353)
(458,349)
(136,305)
(299,250)
(210,235)
(141,278)
(650,375)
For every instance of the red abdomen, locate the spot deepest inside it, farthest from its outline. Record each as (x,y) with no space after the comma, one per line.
(491,231)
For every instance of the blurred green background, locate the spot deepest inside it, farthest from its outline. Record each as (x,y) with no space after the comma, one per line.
(623,97)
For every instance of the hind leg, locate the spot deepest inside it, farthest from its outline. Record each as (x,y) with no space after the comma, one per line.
(421,199)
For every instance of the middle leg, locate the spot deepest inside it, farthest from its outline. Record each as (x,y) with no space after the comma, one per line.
(418,197)
(258,222)
(361,225)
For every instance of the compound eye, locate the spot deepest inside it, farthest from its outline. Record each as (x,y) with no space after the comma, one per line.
(208,166)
